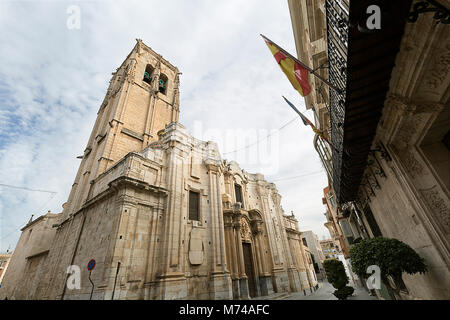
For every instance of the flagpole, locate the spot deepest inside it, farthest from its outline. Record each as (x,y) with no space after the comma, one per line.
(293,107)
(303,65)
(309,123)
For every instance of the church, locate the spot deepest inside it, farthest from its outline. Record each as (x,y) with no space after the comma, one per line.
(160,212)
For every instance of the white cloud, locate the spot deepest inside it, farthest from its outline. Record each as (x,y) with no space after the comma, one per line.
(52,81)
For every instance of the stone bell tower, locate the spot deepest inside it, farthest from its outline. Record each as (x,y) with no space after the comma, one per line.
(142,98)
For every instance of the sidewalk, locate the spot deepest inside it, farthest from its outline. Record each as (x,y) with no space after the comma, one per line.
(325,292)
(361,294)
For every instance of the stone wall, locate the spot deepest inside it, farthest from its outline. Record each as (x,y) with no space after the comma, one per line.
(37,236)
(411,195)
(136,216)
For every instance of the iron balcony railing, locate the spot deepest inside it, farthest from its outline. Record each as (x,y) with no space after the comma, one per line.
(337,15)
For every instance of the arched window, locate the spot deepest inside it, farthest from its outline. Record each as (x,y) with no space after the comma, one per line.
(163,82)
(148,74)
(238,194)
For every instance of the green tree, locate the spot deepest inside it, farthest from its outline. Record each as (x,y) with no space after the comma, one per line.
(338,278)
(392,256)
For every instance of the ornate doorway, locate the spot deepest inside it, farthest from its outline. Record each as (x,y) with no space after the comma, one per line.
(248,264)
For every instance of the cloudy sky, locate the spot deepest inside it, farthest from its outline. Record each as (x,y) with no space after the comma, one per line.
(53,79)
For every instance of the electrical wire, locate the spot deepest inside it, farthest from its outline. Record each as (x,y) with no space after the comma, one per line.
(266,137)
(53,194)
(298,176)
(25,188)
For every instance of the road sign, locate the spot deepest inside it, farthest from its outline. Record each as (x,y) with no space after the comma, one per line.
(91,265)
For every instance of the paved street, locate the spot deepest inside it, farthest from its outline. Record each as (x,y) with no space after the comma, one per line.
(325,292)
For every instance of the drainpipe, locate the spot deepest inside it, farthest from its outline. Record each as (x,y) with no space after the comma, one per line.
(74,252)
(115,279)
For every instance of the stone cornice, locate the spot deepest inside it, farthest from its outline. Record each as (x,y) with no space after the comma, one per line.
(213,165)
(412,107)
(123,180)
(142,45)
(116,185)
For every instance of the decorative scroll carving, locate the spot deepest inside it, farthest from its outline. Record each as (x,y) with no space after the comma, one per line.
(131,71)
(407,131)
(363,198)
(245,230)
(438,206)
(226,201)
(412,165)
(372,161)
(441,66)
(381,149)
(428,107)
(441,13)
(365,182)
(408,107)
(399,103)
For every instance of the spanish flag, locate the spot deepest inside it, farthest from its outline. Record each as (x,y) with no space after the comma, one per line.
(296,73)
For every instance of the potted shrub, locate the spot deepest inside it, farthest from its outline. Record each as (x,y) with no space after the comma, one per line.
(392,256)
(336,275)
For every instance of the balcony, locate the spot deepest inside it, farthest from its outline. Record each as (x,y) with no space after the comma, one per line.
(360,64)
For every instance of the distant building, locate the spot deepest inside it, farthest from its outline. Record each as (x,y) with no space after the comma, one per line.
(388,120)
(26,263)
(311,240)
(333,221)
(330,249)
(310,267)
(300,254)
(4,262)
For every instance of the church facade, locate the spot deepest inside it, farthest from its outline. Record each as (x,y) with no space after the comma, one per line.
(160,212)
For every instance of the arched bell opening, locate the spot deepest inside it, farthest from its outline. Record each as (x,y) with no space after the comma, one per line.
(163,83)
(148,73)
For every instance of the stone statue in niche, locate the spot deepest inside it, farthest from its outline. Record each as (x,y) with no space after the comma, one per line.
(245,230)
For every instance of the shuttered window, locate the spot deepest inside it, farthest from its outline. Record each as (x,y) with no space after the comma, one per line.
(194,199)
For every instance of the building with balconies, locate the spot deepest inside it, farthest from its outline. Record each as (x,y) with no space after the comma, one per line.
(388,117)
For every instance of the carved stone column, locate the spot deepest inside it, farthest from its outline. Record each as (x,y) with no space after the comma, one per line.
(228,227)
(265,281)
(243,280)
(235,260)
(171,281)
(220,277)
